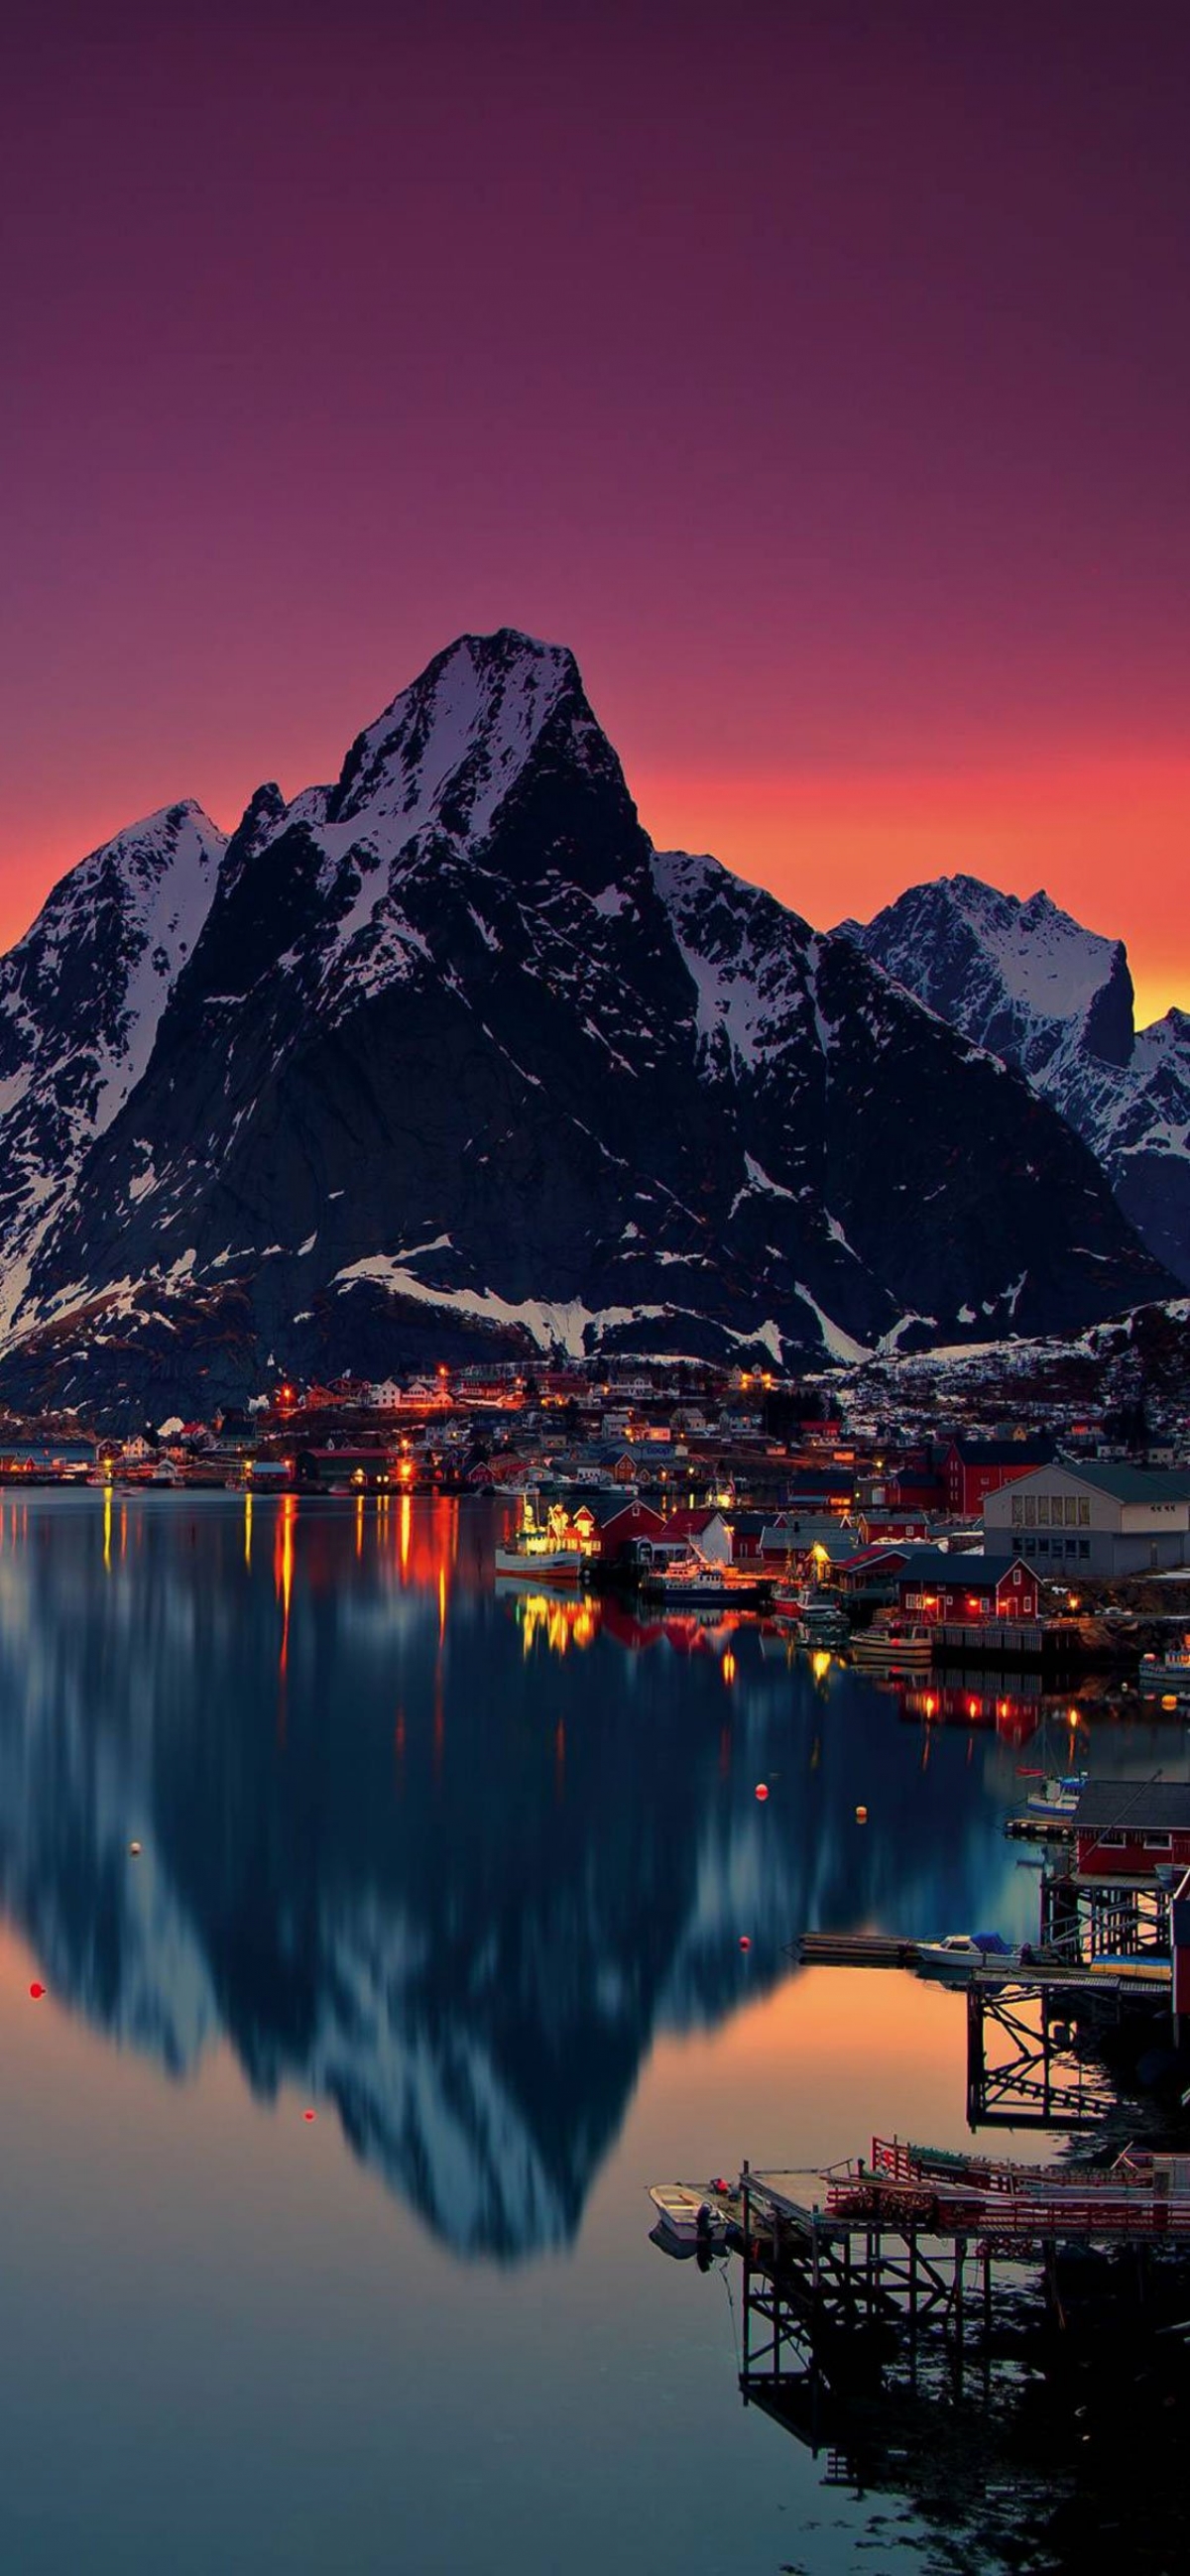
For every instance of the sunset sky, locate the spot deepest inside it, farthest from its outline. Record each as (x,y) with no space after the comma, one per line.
(819,372)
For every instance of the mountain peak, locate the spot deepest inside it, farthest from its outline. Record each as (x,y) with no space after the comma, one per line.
(454,742)
(1017,975)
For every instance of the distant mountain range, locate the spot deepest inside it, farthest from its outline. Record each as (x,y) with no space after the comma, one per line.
(446,1059)
(1055,1002)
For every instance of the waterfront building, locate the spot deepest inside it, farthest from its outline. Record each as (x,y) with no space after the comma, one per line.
(1094,1518)
(936,1587)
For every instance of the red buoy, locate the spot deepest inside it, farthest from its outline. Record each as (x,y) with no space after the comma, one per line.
(761,1790)
(36,1991)
(745,1943)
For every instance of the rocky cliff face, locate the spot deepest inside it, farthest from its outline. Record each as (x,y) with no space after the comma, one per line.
(1055,1002)
(457,1059)
(80,999)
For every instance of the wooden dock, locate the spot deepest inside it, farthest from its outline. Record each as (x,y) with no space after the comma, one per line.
(953,2199)
(1143,1973)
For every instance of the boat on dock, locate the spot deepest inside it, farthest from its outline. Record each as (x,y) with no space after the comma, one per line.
(960,1952)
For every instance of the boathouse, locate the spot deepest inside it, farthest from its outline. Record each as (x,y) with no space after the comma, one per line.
(1130,1831)
(962,1591)
(608,1530)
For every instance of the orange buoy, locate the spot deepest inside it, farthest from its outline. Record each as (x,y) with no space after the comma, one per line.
(134,1849)
(861,1815)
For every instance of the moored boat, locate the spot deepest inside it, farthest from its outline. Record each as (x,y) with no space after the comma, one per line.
(545,1549)
(1167,1672)
(1057,1796)
(961,1952)
(897,1648)
(690,2216)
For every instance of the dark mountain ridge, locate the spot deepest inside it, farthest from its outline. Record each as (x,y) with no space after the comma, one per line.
(458,1062)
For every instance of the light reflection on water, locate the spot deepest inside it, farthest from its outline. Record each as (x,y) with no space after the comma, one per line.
(465,1871)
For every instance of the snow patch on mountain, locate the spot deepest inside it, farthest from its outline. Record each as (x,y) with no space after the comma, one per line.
(571,1327)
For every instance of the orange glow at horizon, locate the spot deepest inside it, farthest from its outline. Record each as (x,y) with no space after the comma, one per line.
(1106,837)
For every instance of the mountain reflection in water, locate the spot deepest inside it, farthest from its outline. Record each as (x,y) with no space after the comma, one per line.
(447,1856)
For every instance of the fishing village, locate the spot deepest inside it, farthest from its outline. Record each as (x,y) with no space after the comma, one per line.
(907,2310)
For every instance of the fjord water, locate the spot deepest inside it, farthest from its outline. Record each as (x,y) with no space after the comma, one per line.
(465,1874)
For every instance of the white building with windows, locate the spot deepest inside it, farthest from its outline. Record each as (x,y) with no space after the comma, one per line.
(1093,1519)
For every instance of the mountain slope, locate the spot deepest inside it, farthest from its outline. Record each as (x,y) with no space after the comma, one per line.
(80,999)
(1055,1002)
(457,1057)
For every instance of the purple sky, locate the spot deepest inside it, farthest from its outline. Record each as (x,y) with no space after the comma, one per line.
(819,372)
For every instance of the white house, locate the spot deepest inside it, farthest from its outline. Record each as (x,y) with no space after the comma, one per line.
(1095,1517)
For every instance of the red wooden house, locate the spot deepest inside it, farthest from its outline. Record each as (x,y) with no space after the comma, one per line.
(609,1530)
(961,1590)
(1131,1829)
(975,1468)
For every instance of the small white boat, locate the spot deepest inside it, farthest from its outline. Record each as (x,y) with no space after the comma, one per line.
(1057,1797)
(686,1579)
(688,2215)
(960,1952)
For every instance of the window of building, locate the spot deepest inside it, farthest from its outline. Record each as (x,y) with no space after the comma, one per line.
(1112,1842)
(1043,1547)
(1084,1513)
(1043,1510)
(1158,1842)
(1030,1511)
(1084,1547)
(1071,1511)
(1016,1511)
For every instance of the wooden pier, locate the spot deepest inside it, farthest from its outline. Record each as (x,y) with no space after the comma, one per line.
(1059,1968)
(910,2242)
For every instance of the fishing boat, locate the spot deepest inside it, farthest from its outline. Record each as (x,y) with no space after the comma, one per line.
(1056,1796)
(817,1622)
(544,1548)
(894,1648)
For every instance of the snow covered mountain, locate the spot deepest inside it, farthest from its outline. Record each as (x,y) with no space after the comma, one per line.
(80,999)
(1055,1002)
(458,1058)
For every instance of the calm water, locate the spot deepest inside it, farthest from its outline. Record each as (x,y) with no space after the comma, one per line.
(466,1875)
